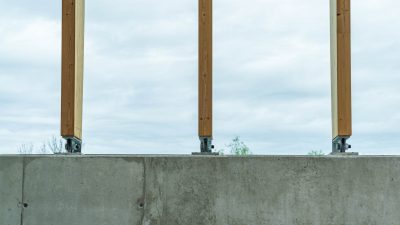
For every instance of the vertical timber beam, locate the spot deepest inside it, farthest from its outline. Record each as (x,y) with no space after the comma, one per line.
(341,73)
(205,75)
(73,12)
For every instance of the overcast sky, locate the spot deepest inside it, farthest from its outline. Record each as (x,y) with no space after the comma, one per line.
(271,75)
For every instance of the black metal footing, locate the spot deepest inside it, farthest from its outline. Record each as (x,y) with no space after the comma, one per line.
(340,145)
(206,147)
(73,145)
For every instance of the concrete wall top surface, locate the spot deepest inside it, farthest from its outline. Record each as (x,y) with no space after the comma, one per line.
(199,190)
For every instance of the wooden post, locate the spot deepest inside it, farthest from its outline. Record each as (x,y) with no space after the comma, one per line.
(205,74)
(72,72)
(341,73)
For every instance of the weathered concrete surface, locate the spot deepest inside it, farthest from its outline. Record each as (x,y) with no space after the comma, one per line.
(83,191)
(10,190)
(182,190)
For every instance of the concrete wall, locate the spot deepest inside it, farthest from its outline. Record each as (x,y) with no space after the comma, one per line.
(183,190)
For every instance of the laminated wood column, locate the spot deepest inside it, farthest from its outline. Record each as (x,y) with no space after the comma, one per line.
(341,73)
(72,72)
(205,74)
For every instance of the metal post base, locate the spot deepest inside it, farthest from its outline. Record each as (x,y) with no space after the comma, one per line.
(206,147)
(340,145)
(73,145)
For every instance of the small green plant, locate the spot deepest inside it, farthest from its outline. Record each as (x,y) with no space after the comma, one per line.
(236,147)
(316,153)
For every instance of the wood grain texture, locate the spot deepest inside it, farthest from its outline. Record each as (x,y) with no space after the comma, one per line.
(341,67)
(72,67)
(205,68)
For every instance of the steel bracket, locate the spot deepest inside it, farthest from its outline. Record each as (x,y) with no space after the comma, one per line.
(206,147)
(340,145)
(73,145)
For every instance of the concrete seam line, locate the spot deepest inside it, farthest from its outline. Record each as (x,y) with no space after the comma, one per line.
(21,204)
(144,191)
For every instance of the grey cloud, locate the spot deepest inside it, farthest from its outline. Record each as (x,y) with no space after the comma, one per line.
(271,75)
